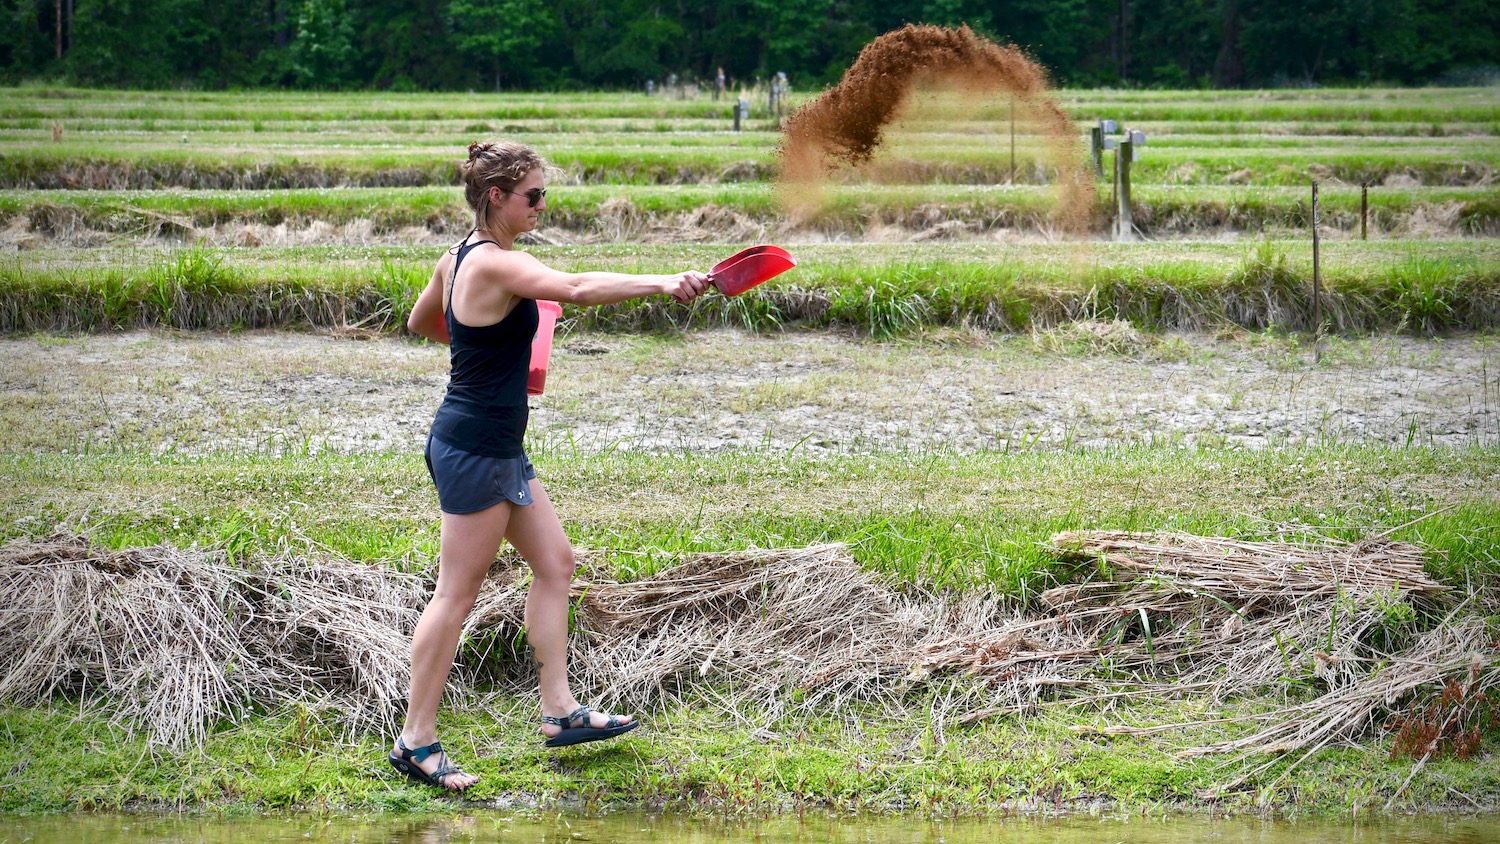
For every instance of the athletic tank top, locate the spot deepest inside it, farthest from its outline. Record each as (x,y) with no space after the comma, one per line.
(484,411)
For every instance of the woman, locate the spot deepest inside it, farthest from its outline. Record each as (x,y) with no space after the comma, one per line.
(482,302)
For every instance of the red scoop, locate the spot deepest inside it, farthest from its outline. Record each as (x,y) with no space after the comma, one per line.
(749,267)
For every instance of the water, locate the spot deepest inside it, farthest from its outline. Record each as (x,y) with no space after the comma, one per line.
(655,829)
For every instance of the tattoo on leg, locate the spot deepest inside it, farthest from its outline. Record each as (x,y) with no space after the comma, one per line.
(531,654)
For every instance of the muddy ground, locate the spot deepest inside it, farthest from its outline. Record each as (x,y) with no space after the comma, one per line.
(1089,385)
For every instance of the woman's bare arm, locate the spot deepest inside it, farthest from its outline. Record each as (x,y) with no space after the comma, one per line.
(521,274)
(427,313)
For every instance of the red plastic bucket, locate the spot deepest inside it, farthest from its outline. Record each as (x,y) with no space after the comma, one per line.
(547,314)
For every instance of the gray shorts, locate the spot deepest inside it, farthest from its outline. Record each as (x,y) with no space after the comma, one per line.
(468,483)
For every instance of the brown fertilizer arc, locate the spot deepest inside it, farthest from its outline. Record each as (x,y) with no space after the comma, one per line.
(848,125)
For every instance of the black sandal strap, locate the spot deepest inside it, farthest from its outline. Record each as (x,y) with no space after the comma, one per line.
(445,771)
(579,714)
(419,753)
(405,759)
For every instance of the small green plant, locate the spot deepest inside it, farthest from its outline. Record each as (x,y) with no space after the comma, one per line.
(1265,271)
(162,292)
(882,309)
(240,537)
(396,289)
(105,301)
(183,278)
(1424,291)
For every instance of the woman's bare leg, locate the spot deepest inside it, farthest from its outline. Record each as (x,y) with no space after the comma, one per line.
(537,534)
(468,545)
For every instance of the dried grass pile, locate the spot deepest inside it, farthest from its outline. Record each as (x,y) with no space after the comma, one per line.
(758,623)
(1183,608)
(1217,617)
(178,640)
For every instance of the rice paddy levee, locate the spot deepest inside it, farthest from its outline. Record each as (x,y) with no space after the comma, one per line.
(880,290)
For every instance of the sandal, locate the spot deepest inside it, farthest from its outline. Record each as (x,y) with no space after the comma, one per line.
(407,761)
(579,735)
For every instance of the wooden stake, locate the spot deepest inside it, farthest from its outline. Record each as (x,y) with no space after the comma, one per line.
(1124,222)
(1317,279)
(1114,189)
(1012,138)
(1364,210)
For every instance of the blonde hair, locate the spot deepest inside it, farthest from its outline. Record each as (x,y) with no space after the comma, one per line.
(501,164)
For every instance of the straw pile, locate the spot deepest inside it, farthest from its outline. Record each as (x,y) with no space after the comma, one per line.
(1220,617)
(176,641)
(758,622)
(1188,609)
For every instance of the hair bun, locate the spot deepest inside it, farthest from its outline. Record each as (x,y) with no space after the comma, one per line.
(476,148)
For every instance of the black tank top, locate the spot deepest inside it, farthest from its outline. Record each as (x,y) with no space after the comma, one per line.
(484,411)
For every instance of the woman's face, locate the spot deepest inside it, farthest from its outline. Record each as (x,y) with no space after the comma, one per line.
(514,207)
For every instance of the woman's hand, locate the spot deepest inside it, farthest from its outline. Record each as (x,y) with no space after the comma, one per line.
(687,286)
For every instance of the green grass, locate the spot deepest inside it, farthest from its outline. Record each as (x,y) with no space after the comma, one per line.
(941,520)
(878,291)
(1419,105)
(690,759)
(280,140)
(934,520)
(621,213)
(207,160)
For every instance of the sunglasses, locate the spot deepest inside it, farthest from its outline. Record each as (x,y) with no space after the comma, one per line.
(533,196)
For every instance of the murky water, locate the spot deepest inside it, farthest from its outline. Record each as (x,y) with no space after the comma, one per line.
(654,829)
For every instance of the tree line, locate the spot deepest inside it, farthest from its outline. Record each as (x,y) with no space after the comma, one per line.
(412,45)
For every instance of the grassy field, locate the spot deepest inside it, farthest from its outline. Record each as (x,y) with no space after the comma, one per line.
(690,763)
(368,507)
(374,507)
(942,291)
(657,213)
(37,107)
(1429,138)
(216,158)
(260,169)
(924,520)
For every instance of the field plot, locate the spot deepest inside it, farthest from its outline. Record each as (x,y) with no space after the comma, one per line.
(202,346)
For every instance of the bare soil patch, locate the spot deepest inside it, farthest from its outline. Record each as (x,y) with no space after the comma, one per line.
(1089,385)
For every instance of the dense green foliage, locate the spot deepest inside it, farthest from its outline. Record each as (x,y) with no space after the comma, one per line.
(871,290)
(468,44)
